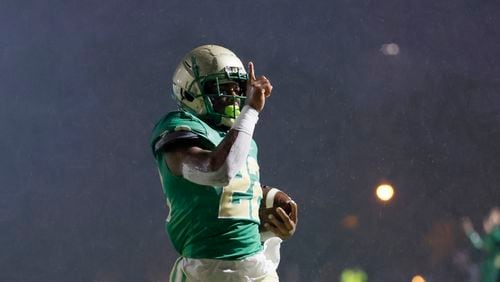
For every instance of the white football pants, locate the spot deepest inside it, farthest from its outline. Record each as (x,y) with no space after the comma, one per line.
(260,267)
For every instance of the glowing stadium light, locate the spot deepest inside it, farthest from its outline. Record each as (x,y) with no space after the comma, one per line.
(418,278)
(384,192)
(390,49)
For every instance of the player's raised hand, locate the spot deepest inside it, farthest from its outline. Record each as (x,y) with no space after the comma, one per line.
(467,225)
(258,89)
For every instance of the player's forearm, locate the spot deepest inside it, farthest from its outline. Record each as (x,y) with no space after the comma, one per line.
(475,239)
(227,159)
(218,167)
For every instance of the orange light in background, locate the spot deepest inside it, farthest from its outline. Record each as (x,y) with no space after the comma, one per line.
(384,192)
(418,278)
(350,221)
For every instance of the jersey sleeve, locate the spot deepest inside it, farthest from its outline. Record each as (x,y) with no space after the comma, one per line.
(181,126)
(173,138)
(476,240)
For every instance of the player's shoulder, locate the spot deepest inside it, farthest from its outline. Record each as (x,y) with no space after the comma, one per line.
(182,121)
(495,234)
(178,121)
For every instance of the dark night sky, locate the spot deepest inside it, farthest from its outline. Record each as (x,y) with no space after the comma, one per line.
(82,83)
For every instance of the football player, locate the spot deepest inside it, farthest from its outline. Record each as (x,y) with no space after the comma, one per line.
(207,160)
(489,243)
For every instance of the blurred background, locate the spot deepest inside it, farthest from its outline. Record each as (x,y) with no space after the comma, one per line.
(402,93)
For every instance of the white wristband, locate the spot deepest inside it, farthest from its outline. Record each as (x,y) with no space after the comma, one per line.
(247,119)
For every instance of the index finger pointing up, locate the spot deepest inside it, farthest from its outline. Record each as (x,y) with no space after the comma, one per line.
(251,72)
(293,214)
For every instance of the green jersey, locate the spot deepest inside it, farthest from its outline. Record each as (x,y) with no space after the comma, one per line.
(208,221)
(490,244)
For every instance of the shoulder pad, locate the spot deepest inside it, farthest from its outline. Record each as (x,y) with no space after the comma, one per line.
(184,121)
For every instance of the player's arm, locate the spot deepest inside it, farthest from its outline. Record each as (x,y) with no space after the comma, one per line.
(207,167)
(471,233)
(217,167)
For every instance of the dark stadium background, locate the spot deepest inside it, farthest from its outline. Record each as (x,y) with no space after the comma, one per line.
(82,83)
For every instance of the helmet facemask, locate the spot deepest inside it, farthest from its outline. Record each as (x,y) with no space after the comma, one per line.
(222,107)
(201,82)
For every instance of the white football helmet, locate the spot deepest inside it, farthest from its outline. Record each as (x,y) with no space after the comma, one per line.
(214,64)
